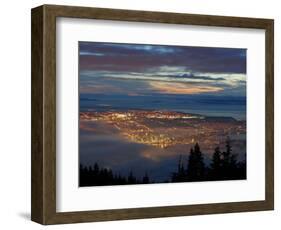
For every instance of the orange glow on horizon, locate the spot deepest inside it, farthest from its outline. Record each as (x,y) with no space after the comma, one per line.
(183,88)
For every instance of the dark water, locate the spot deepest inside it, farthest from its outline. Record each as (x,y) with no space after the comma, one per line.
(208,105)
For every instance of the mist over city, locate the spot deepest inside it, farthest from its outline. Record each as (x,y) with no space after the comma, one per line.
(157,114)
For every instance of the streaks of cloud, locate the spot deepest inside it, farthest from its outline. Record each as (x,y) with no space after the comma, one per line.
(180,88)
(140,57)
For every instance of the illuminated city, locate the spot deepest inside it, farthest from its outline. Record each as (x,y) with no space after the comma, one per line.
(159,114)
(166,129)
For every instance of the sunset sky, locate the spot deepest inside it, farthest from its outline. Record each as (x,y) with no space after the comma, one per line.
(135,69)
(133,77)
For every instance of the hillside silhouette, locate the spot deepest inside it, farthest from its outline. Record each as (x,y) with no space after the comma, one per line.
(191,168)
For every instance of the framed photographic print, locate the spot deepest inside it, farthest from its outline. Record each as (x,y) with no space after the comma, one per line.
(148,114)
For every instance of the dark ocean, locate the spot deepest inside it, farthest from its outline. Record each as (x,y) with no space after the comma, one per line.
(208,105)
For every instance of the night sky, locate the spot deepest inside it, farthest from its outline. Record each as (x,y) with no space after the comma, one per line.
(136,69)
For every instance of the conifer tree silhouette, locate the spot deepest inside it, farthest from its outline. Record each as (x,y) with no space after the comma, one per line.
(223,166)
(216,164)
(196,166)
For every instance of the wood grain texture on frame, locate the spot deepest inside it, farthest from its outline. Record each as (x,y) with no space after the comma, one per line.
(43,188)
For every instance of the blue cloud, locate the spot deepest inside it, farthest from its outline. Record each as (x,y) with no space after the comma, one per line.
(142,57)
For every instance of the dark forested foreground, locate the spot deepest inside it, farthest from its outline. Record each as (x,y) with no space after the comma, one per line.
(223,166)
